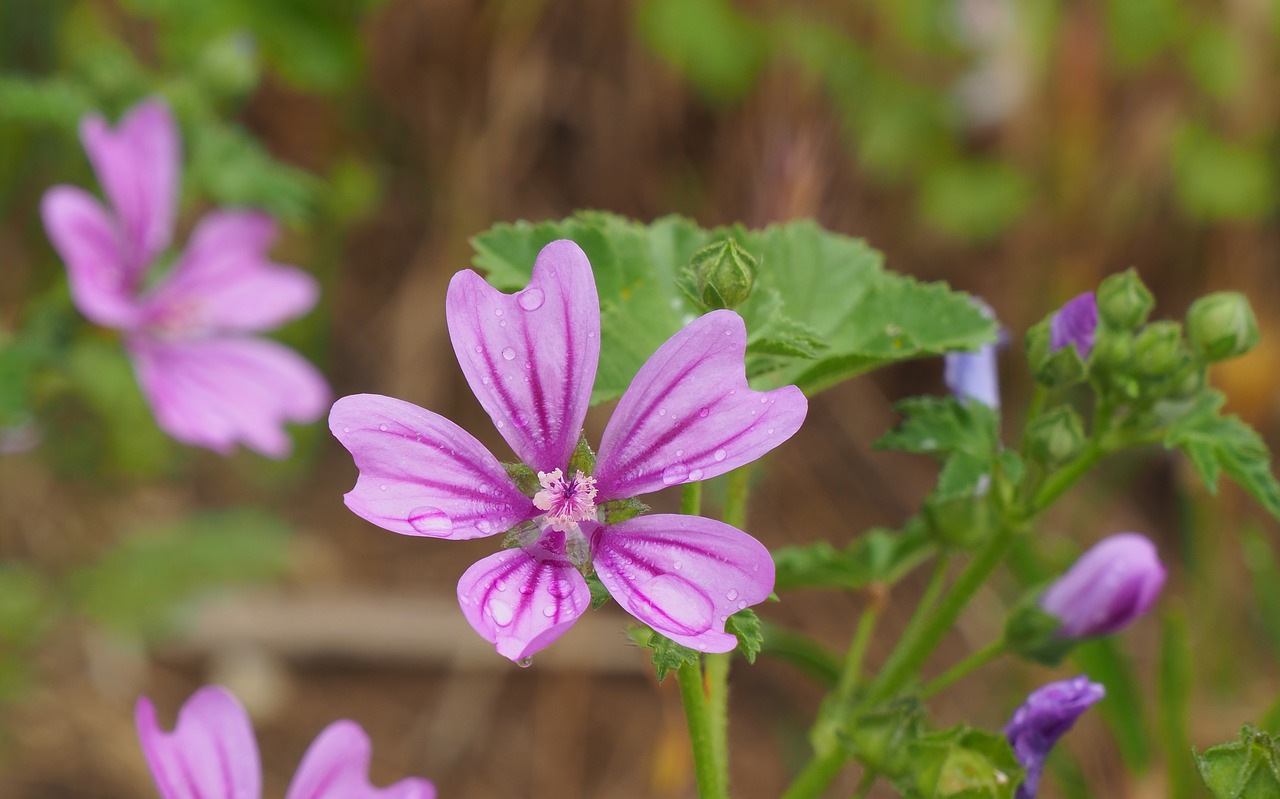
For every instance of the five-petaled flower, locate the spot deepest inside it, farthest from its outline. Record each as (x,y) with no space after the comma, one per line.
(209,380)
(212,754)
(1045,717)
(531,360)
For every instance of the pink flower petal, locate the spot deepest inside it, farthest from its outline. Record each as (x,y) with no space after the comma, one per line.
(531,357)
(138,164)
(224,280)
(683,575)
(216,392)
(688,415)
(89,244)
(521,600)
(421,474)
(211,753)
(336,766)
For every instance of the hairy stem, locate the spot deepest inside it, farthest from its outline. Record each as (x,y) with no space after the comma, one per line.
(697,714)
(975,661)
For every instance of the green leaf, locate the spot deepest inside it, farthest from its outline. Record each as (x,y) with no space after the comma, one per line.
(138,587)
(746,625)
(599,594)
(878,556)
(1245,769)
(668,656)
(236,170)
(964,435)
(1217,443)
(856,315)
(961,763)
(717,49)
(880,738)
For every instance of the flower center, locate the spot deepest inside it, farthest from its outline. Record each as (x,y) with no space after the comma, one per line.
(566,502)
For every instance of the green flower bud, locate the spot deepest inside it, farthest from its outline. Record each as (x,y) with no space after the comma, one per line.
(1221,325)
(1032,633)
(1056,369)
(961,523)
(723,274)
(1055,437)
(1113,351)
(1158,350)
(1242,769)
(1123,302)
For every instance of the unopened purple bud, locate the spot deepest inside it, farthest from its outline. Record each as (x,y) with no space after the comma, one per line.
(1075,323)
(1109,587)
(1045,717)
(973,375)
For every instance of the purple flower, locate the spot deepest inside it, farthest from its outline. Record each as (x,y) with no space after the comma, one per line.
(1109,587)
(212,754)
(531,360)
(973,375)
(210,382)
(1075,323)
(1044,718)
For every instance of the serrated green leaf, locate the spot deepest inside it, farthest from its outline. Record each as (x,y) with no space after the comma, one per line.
(963,434)
(1245,769)
(138,587)
(866,316)
(1217,443)
(876,556)
(599,594)
(961,763)
(669,656)
(745,624)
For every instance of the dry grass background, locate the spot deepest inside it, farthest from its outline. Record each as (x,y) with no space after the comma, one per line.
(479,112)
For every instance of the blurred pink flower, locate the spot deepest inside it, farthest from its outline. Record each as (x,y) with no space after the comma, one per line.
(209,380)
(531,360)
(212,754)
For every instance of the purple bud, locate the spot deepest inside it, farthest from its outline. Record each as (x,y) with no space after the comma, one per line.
(973,375)
(1109,587)
(1045,717)
(1075,323)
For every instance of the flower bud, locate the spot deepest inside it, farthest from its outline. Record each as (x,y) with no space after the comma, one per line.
(723,274)
(1056,436)
(1047,715)
(1074,324)
(1221,325)
(1158,350)
(1108,588)
(1123,302)
(1052,368)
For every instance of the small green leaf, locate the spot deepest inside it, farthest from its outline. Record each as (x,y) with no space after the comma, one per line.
(1217,443)
(599,594)
(880,738)
(878,556)
(746,625)
(963,434)
(524,478)
(668,655)
(961,763)
(1245,769)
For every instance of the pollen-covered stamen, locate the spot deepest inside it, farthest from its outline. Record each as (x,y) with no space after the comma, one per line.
(566,502)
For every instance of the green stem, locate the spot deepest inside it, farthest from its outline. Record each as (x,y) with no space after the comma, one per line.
(916,627)
(911,653)
(717,684)
(697,714)
(1064,478)
(691,499)
(977,660)
(864,785)
(737,488)
(817,775)
(851,674)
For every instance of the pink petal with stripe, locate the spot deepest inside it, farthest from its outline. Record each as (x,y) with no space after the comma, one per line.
(683,575)
(211,753)
(689,415)
(86,238)
(521,600)
(336,766)
(138,164)
(421,474)
(531,357)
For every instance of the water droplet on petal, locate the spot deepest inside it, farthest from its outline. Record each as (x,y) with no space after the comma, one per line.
(382,427)
(382,487)
(503,323)
(560,588)
(732,595)
(764,400)
(500,611)
(346,429)
(721,454)
(695,475)
(677,565)
(526,589)
(733,391)
(524,663)
(662,411)
(679,453)
(530,299)
(430,521)
(509,354)
(483,526)
(704,413)
(549,611)
(741,605)
(479,348)
(497,312)
(675,473)
(672,604)
(501,585)
(770,431)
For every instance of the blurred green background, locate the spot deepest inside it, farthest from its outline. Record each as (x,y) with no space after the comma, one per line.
(1019,150)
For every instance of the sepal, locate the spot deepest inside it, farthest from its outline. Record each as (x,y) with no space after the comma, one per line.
(1123,301)
(1243,769)
(1055,437)
(1052,368)
(1032,633)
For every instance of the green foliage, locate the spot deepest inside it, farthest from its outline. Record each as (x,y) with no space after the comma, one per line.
(1216,443)
(961,763)
(718,49)
(1033,634)
(27,607)
(1248,768)
(235,169)
(139,586)
(977,200)
(599,594)
(1217,179)
(857,316)
(668,656)
(963,435)
(877,556)
(745,624)
(1123,709)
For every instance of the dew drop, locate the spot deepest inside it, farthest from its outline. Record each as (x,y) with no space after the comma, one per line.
(721,454)
(530,299)
(500,611)
(382,427)
(503,323)
(742,604)
(382,487)
(560,588)
(479,348)
(483,526)
(733,391)
(509,354)
(346,429)
(695,475)
(679,453)
(755,567)
(501,585)
(732,595)
(764,400)
(549,611)
(677,565)
(430,521)
(526,589)
(498,423)
(662,411)
(675,473)
(497,312)
(524,663)
(770,431)
(704,413)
